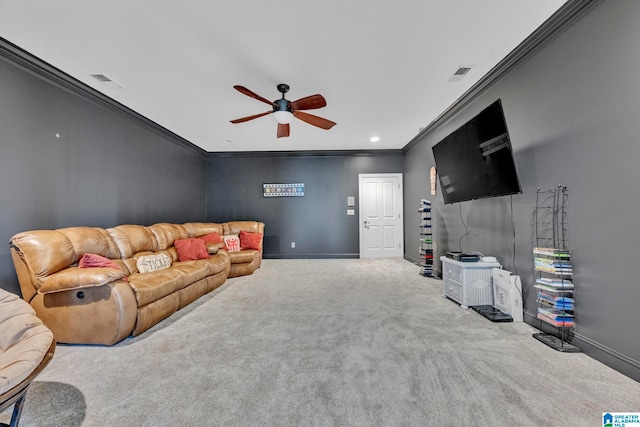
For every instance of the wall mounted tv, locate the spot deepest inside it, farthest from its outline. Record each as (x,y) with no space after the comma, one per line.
(476,160)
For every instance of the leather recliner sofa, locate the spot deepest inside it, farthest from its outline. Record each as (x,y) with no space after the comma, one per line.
(104,305)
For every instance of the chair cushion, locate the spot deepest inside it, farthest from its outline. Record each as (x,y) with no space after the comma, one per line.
(24,340)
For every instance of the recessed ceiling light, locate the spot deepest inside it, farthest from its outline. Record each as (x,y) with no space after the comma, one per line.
(374,139)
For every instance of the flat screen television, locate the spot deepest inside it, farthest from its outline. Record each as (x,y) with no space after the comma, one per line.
(476,161)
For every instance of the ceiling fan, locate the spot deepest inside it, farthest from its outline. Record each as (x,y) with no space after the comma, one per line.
(284,110)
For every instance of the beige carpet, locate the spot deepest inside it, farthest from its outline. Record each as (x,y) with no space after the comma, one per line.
(327,343)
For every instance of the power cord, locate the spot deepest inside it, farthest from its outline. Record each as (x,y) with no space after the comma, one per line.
(513,228)
(466,230)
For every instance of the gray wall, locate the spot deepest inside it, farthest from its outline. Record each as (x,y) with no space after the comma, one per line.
(105,168)
(318,221)
(571,110)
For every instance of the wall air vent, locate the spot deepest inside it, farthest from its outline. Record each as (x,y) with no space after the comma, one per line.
(460,73)
(107,81)
(101,77)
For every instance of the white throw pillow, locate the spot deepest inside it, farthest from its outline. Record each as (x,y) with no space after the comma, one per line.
(232,243)
(148,263)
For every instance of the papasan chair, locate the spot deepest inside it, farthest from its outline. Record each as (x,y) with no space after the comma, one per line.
(26,347)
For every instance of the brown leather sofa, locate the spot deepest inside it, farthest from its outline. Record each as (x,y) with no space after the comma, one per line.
(105,305)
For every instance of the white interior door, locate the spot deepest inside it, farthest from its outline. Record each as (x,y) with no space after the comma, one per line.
(381,218)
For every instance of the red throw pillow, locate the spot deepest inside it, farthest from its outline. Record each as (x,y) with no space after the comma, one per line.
(211,238)
(191,249)
(96,261)
(250,240)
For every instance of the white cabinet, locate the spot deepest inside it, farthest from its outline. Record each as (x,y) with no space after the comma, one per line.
(467,283)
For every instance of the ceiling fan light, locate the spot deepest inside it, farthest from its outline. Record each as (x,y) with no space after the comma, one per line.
(283,117)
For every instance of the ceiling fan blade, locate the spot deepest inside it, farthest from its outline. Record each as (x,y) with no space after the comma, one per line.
(246,119)
(314,120)
(283,130)
(252,94)
(309,103)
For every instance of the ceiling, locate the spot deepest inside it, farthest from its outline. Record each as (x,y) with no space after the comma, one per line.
(384,67)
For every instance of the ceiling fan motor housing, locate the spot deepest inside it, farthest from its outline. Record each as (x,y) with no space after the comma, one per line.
(281,105)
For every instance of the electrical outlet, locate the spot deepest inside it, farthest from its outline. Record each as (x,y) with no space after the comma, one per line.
(293,245)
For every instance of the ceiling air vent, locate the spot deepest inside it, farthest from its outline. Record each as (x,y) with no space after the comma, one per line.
(107,81)
(460,73)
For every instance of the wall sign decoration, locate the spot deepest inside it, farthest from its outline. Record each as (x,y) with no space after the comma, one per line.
(432,178)
(283,190)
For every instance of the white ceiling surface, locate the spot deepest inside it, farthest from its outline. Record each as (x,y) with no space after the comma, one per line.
(383,67)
